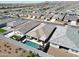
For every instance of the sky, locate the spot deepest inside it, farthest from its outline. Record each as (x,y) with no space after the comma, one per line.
(30,1)
(19,1)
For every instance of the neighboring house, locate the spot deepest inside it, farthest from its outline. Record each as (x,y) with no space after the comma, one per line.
(16,22)
(26,27)
(2,24)
(71,16)
(61,17)
(67,37)
(48,17)
(12,22)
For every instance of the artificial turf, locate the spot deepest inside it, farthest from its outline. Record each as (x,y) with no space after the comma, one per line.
(15,37)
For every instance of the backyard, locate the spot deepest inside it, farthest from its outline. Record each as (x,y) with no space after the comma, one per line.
(2,30)
(15,37)
(10,50)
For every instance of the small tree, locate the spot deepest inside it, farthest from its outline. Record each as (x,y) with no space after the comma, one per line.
(33,54)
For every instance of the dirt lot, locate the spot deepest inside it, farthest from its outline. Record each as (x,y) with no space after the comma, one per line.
(60,53)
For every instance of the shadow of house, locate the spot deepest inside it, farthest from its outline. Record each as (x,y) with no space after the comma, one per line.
(50,35)
(62,47)
(46,47)
(21,39)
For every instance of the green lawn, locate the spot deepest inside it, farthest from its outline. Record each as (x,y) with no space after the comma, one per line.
(15,37)
(2,30)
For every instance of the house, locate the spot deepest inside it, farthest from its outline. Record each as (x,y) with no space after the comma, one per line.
(26,27)
(42,32)
(16,22)
(3,22)
(71,16)
(66,37)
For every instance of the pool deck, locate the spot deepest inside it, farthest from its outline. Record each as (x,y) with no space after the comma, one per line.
(35,41)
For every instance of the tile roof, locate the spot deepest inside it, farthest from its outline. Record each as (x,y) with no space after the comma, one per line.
(42,31)
(27,26)
(67,37)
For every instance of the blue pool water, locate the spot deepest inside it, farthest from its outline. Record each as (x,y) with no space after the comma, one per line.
(32,44)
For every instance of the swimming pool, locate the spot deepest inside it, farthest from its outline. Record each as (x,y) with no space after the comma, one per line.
(32,44)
